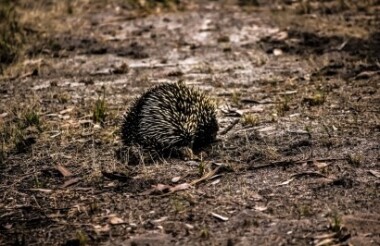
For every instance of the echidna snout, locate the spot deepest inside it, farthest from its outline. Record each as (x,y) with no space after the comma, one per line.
(170,116)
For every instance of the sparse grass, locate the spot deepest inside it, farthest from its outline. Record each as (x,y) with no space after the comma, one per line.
(235,98)
(81,237)
(62,97)
(202,168)
(203,67)
(336,222)
(309,129)
(99,112)
(354,160)
(305,210)
(11,35)
(304,7)
(283,106)
(179,205)
(318,98)
(249,120)
(204,233)
(37,183)
(31,118)
(20,132)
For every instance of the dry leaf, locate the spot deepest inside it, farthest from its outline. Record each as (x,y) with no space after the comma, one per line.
(183,186)
(324,236)
(64,171)
(277,52)
(114,220)
(215,182)
(70,182)
(160,220)
(160,189)
(188,226)
(42,190)
(320,165)
(176,179)
(68,110)
(285,182)
(374,173)
(98,228)
(220,217)
(256,196)
(327,241)
(261,208)
(157,190)
(8,226)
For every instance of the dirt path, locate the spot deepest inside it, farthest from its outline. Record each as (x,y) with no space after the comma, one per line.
(300,167)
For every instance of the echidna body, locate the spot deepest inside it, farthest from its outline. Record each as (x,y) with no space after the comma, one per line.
(170,116)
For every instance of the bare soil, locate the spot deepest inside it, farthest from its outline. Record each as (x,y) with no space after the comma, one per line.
(297,162)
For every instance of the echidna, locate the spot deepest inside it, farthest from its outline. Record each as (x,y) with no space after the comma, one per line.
(168,117)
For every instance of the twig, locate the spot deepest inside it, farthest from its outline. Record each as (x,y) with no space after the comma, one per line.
(316,174)
(228,128)
(293,162)
(206,176)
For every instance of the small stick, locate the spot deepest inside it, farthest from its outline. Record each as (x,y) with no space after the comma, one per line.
(228,128)
(291,162)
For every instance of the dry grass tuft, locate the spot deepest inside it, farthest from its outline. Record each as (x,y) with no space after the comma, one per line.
(11,34)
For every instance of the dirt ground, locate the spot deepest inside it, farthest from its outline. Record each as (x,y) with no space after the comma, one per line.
(297,161)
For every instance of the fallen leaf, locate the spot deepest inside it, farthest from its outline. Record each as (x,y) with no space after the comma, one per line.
(327,241)
(98,228)
(114,220)
(267,129)
(183,186)
(64,171)
(206,176)
(8,226)
(160,189)
(256,196)
(42,190)
(68,110)
(215,182)
(192,163)
(109,185)
(285,182)
(324,236)
(176,179)
(188,226)
(160,220)
(320,165)
(70,182)
(374,173)
(220,217)
(261,208)
(277,52)
(85,122)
